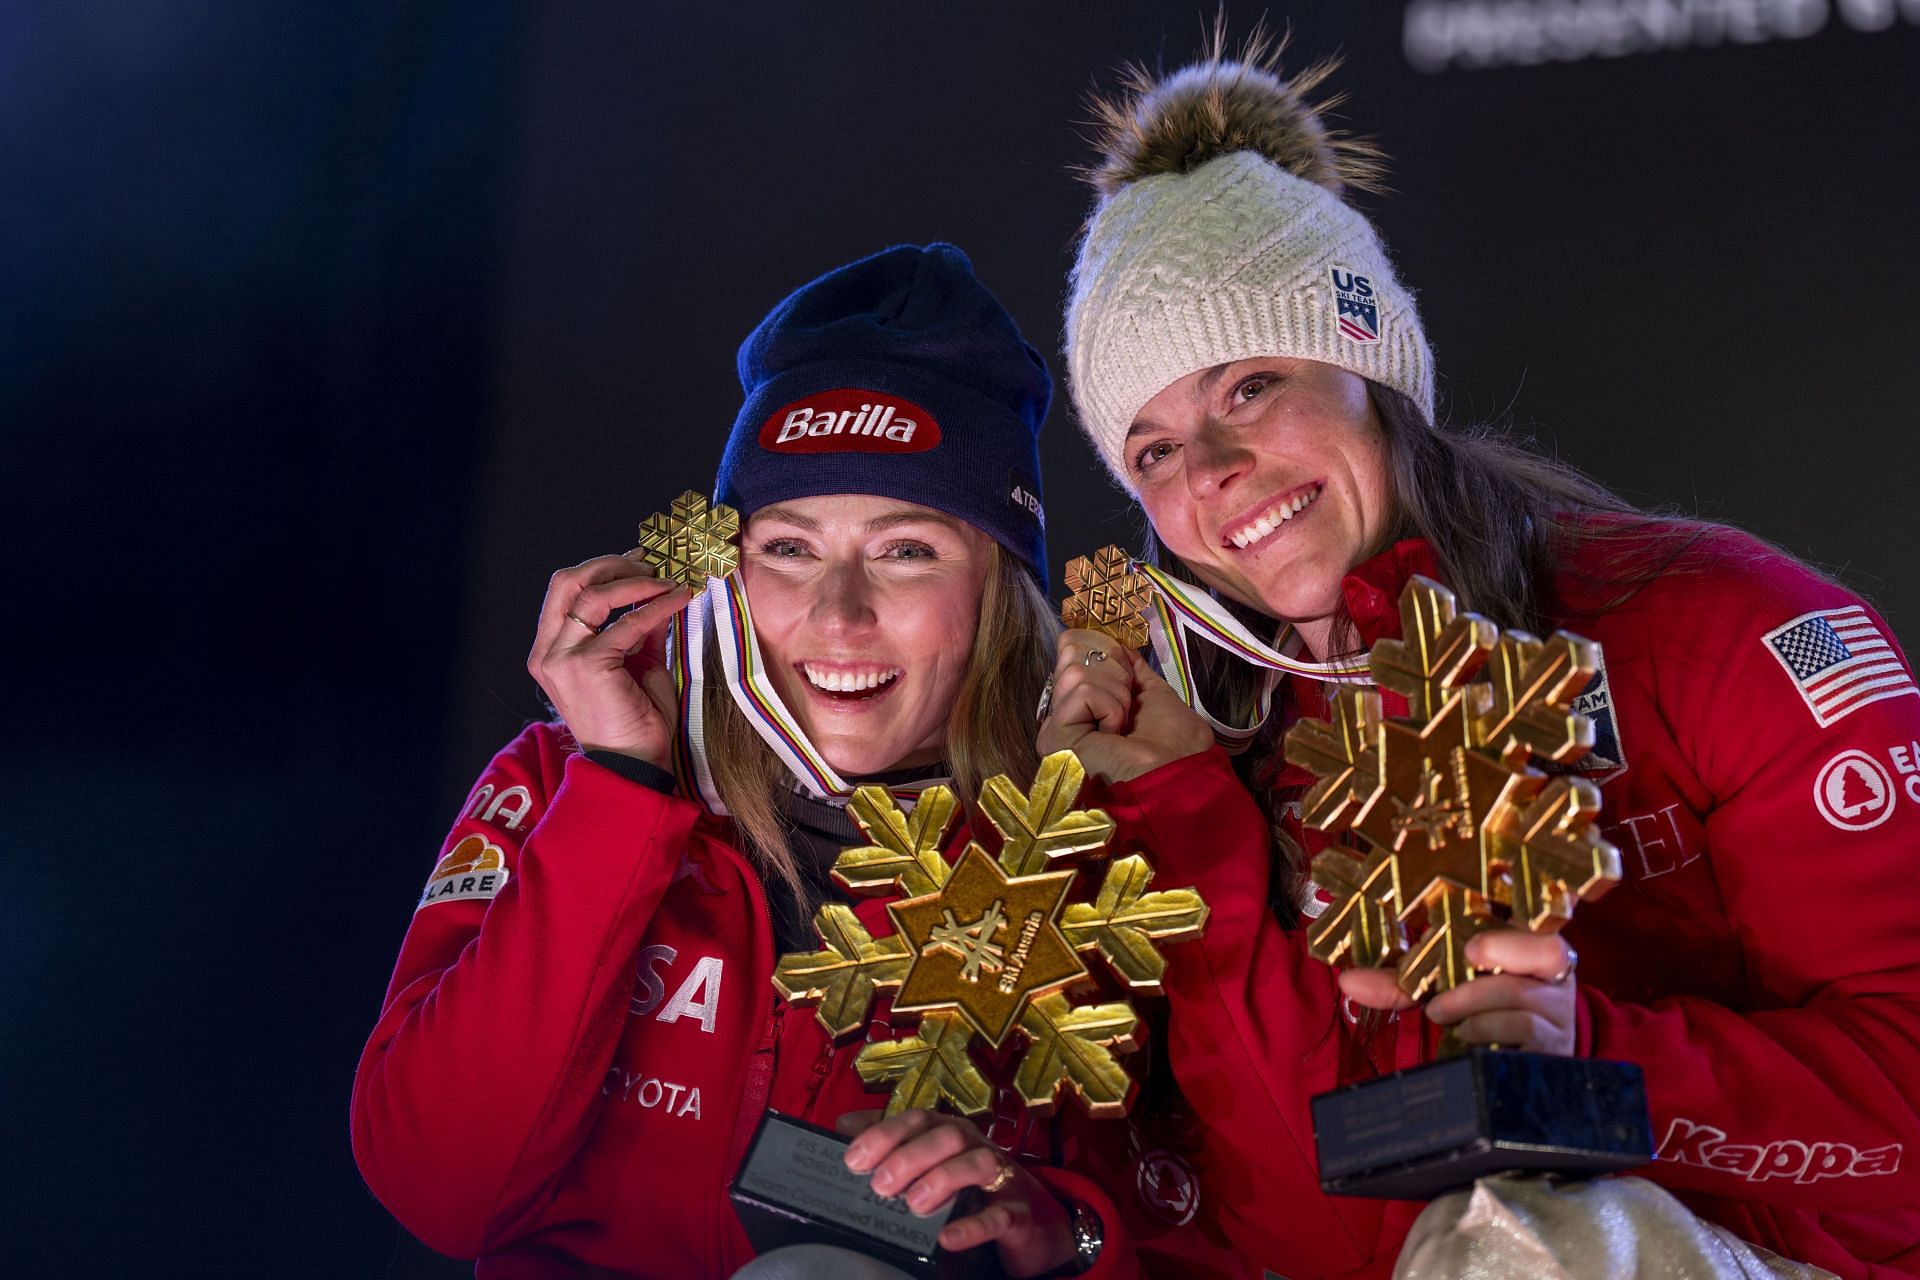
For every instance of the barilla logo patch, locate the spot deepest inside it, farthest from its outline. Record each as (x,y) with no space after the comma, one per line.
(850,420)
(1356,308)
(474,868)
(1706,1147)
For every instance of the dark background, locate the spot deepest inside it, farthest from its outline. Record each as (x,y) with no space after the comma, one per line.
(327,331)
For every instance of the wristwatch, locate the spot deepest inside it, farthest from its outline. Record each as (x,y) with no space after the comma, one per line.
(1087,1235)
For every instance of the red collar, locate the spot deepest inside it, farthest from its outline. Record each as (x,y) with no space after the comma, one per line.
(1372,589)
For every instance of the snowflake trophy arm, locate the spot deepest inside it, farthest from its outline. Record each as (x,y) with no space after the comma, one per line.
(905,852)
(1042,825)
(1125,921)
(843,977)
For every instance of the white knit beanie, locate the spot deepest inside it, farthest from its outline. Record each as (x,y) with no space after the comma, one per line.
(1221,235)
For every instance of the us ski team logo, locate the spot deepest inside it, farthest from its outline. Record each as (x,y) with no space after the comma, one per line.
(1356,308)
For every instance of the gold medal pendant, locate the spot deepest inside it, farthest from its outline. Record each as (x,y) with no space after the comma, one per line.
(1461,833)
(692,541)
(1109,596)
(991,946)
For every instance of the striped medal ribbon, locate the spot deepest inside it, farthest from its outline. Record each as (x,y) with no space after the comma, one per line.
(1182,611)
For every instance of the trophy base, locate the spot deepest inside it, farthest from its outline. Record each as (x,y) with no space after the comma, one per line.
(1421,1132)
(795,1188)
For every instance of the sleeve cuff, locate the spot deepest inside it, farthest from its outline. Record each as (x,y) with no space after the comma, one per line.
(634,769)
(1116,1249)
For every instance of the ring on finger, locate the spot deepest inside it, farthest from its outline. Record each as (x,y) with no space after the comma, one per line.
(1000,1179)
(1046,701)
(1566,970)
(1093,656)
(583,622)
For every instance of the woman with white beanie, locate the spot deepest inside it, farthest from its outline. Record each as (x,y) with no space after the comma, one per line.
(1247,363)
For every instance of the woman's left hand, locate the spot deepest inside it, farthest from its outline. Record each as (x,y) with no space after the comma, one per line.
(1523,998)
(929,1157)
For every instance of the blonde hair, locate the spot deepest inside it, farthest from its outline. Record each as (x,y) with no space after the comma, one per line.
(990,729)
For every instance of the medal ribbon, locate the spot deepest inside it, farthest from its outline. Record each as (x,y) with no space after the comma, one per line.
(1182,611)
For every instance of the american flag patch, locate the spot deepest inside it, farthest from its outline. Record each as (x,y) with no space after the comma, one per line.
(1840,661)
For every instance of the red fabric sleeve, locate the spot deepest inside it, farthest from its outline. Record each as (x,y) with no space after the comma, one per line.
(1806,1099)
(480,1079)
(1251,1030)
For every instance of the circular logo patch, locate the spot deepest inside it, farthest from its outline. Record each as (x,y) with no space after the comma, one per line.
(1854,791)
(1168,1187)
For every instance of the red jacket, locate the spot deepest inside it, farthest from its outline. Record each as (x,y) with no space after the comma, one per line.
(1760,959)
(581,1033)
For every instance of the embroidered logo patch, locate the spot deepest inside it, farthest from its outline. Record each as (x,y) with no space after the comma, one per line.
(1356,309)
(850,420)
(474,868)
(1840,661)
(1854,792)
(1606,761)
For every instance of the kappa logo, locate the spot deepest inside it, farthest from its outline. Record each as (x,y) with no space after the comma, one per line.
(1706,1147)
(473,869)
(1356,308)
(1854,791)
(850,420)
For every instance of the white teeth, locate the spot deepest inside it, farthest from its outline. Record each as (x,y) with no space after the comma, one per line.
(848,681)
(1271,520)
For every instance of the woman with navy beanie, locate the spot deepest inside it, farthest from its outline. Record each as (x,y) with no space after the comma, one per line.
(581,1030)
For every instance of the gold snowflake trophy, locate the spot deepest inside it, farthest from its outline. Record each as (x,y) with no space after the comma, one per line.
(990,946)
(1462,833)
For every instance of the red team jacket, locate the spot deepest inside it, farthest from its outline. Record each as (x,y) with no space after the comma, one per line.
(1760,769)
(581,1033)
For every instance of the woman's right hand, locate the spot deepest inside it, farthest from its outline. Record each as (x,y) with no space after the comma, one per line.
(609,680)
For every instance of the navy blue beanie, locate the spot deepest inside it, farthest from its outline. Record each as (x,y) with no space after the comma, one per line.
(897,375)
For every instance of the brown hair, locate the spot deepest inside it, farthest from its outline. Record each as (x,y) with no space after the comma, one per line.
(989,731)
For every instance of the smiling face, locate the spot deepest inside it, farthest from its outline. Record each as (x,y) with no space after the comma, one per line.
(1269,478)
(866,609)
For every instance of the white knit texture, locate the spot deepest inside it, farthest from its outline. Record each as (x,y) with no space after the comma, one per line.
(1181,272)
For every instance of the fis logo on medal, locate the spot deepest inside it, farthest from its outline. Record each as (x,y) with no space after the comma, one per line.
(474,868)
(1356,308)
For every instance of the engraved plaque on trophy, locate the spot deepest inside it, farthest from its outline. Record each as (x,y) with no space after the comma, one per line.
(1461,833)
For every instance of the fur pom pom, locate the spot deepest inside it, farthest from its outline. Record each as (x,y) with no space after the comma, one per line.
(1155,123)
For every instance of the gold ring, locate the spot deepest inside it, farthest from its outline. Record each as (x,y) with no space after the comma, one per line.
(583,622)
(1000,1179)
(1093,656)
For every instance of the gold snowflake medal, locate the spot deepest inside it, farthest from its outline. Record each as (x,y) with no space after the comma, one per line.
(692,541)
(989,945)
(1109,596)
(1462,833)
